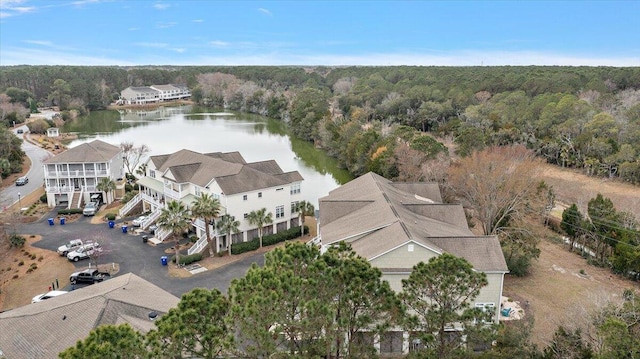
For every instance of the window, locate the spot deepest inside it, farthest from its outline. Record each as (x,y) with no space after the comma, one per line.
(198,191)
(152,173)
(295,188)
(293,206)
(259,194)
(246,215)
(244,197)
(279,211)
(488,310)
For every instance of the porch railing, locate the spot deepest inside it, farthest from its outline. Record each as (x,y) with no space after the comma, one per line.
(162,234)
(129,205)
(199,245)
(151,218)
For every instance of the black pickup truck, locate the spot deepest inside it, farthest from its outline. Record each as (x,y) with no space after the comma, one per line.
(89,276)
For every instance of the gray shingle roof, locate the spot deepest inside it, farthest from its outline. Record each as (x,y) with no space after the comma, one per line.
(42,330)
(94,151)
(229,170)
(376,215)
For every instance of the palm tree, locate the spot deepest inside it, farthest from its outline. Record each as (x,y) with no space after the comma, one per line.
(260,218)
(175,218)
(304,209)
(207,208)
(227,225)
(107,186)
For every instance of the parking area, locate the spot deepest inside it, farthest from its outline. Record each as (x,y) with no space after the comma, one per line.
(130,252)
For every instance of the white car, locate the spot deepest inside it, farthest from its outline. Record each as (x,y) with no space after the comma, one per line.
(90,209)
(84,252)
(138,221)
(64,249)
(47,295)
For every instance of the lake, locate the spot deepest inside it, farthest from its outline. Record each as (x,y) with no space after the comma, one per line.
(169,129)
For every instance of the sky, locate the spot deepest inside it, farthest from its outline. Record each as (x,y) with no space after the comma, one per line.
(331,33)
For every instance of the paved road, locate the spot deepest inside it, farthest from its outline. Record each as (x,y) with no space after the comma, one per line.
(36,172)
(134,256)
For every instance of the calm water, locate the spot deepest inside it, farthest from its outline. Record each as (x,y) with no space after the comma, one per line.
(169,129)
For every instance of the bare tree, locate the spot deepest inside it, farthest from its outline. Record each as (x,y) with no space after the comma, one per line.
(499,184)
(132,155)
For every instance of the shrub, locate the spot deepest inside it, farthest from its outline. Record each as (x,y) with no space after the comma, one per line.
(16,240)
(21,263)
(129,188)
(70,211)
(43,198)
(33,256)
(40,259)
(188,259)
(271,239)
(15,276)
(110,216)
(252,245)
(33,266)
(128,196)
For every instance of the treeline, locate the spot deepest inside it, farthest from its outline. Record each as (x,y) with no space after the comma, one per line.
(304,304)
(580,117)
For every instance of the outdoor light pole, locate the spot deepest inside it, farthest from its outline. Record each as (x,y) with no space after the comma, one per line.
(19,201)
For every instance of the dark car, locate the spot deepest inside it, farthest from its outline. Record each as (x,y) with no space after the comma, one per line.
(20,131)
(21,181)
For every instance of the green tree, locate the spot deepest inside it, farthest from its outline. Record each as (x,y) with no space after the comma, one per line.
(567,344)
(60,94)
(175,218)
(303,208)
(307,109)
(108,341)
(438,294)
(228,226)
(572,221)
(106,185)
(197,328)
(208,208)
(604,223)
(260,218)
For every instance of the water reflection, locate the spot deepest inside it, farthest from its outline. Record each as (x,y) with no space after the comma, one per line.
(169,129)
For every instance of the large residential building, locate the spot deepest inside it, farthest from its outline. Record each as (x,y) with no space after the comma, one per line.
(397,225)
(72,176)
(152,94)
(241,188)
(44,329)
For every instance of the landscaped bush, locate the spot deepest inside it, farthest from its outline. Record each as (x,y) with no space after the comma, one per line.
(110,216)
(187,259)
(128,196)
(16,240)
(70,211)
(129,188)
(252,245)
(43,198)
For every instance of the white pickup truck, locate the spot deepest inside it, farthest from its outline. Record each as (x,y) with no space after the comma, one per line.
(72,245)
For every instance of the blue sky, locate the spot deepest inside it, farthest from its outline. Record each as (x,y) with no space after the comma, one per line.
(179,32)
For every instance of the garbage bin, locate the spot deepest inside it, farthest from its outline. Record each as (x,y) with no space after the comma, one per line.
(51,221)
(164,260)
(112,224)
(124,229)
(62,221)
(145,239)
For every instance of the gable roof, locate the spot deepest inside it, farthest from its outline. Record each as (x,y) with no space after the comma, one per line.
(376,215)
(142,89)
(42,330)
(94,151)
(232,173)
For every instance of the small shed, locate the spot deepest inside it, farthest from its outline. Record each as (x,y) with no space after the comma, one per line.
(53,132)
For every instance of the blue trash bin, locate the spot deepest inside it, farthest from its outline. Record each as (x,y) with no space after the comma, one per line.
(124,229)
(51,221)
(164,260)
(62,221)
(112,224)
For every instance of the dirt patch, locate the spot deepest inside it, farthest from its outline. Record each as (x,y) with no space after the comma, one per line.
(563,289)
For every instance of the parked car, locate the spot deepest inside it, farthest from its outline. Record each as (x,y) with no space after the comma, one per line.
(21,181)
(138,221)
(20,131)
(90,275)
(47,295)
(64,249)
(90,209)
(84,252)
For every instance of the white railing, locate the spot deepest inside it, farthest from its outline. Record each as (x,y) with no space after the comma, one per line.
(199,245)
(315,241)
(90,188)
(171,193)
(161,234)
(129,205)
(151,218)
(76,173)
(60,189)
(80,197)
(151,199)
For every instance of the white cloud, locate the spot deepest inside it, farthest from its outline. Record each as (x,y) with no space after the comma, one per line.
(41,57)
(166,25)
(197,20)
(155,45)
(179,50)
(133,29)
(11,8)
(161,6)
(265,11)
(40,42)
(219,43)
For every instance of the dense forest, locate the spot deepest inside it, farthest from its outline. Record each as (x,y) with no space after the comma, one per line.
(374,118)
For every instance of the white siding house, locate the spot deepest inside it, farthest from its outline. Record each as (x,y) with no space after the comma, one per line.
(152,94)
(241,188)
(72,176)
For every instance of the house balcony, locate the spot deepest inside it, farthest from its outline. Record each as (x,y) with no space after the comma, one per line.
(76,174)
(171,193)
(60,189)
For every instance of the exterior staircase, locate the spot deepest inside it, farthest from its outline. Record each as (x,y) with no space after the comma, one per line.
(162,234)
(199,246)
(76,200)
(151,218)
(130,205)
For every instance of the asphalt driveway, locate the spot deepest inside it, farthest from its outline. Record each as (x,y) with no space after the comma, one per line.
(133,255)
